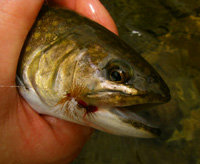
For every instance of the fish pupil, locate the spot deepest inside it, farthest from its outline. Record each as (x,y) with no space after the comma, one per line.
(115,76)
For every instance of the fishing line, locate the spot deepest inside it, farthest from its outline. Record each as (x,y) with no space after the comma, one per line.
(11,86)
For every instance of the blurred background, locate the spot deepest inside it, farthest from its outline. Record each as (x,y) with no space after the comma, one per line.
(167,34)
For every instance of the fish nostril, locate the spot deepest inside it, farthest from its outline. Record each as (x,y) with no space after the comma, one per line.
(151,79)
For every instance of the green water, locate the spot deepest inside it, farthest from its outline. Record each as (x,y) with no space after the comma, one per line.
(167,34)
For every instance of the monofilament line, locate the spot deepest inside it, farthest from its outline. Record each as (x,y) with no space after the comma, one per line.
(10,86)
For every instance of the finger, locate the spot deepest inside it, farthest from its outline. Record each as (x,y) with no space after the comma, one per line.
(16,19)
(72,136)
(92,9)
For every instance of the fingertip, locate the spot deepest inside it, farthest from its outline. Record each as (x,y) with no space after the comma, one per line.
(92,9)
(70,136)
(16,19)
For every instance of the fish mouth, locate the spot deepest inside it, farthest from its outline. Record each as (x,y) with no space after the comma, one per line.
(131,115)
(125,116)
(123,121)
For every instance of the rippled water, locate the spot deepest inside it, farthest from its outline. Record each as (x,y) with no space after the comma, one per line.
(167,34)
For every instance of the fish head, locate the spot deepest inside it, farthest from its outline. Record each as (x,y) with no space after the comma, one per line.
(120,77)
(120,82)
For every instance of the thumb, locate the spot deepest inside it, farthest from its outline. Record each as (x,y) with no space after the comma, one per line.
(16,19)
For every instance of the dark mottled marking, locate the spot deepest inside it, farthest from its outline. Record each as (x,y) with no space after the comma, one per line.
(139,125)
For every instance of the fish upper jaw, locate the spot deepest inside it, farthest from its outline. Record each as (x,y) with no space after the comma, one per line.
(112,94)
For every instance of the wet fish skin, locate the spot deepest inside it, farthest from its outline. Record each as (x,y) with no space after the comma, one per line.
(67,59)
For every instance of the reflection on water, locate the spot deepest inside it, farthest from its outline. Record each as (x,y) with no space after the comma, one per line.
(167,34)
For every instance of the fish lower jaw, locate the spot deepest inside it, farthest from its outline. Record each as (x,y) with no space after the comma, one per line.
(122,122)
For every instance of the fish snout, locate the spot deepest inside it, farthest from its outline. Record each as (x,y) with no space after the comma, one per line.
(153,86)
(157,85)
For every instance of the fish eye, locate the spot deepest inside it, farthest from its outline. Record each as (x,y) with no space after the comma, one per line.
(117,75)
(118,71)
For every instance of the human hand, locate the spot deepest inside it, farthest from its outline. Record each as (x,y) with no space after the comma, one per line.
(25,136)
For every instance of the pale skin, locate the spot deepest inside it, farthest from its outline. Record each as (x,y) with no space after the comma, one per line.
(26,136)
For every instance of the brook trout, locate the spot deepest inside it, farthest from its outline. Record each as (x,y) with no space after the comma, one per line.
(75,69)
